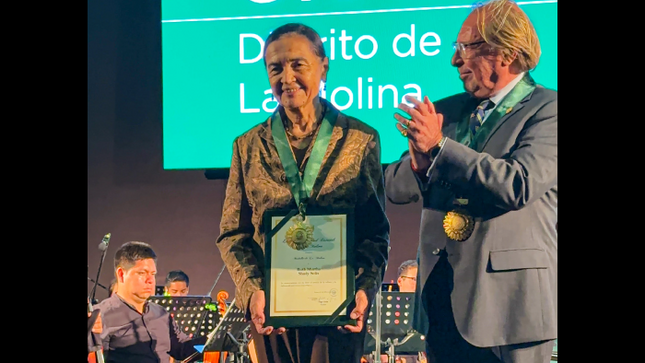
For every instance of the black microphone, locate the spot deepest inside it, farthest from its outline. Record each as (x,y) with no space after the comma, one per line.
(105,242)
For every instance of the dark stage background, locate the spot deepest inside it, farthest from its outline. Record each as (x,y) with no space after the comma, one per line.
(129,193)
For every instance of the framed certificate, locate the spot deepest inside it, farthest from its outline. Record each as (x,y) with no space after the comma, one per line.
(309,272)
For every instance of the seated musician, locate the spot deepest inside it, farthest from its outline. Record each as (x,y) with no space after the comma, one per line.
(133,328)
(177,283)
(407,279)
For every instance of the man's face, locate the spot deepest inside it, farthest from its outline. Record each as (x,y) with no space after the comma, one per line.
(138,283)
(408,280)
(479,65)
(177,288)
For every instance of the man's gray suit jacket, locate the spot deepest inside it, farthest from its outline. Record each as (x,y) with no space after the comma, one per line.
(505,273)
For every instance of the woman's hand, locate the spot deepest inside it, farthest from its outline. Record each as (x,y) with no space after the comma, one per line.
(358,313)
(256,307)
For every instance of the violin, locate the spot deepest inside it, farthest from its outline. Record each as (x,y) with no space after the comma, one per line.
(221,302)
(213,357)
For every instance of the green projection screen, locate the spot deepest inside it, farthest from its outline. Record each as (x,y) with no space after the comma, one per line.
(215,85)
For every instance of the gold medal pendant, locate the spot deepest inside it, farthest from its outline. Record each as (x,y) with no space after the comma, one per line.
(300,235)
(458,226)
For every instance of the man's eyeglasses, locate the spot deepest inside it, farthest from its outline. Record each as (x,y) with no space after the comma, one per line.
(463,47)
(409,277)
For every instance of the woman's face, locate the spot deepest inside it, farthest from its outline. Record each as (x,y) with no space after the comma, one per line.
(294,70)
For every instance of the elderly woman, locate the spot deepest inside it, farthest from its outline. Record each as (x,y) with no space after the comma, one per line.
(349,177)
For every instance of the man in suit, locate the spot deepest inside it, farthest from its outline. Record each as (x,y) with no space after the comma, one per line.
(484,163)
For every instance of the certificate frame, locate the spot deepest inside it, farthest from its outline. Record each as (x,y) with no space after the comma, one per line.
(341,315)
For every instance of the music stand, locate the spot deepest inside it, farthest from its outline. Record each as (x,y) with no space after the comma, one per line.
(397,310)
(231,335)
(190,313)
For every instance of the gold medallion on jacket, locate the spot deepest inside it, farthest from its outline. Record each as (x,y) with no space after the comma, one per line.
(300,235)
(457,224)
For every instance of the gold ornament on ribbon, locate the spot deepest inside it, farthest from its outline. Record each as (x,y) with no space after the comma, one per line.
(457,224)
(300,235)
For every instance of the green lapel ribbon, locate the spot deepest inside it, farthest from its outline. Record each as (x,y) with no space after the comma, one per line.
(301,188)
(522,89)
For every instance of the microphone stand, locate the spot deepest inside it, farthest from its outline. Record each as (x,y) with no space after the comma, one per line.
(216,280)
(96,348)
(98,273)
(377,322)
(91,279)
(209,294)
